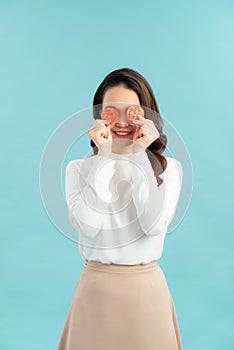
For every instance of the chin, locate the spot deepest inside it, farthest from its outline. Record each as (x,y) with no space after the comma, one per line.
(123,142)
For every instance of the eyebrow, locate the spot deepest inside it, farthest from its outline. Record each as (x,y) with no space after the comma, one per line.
(110,106)
(117,107)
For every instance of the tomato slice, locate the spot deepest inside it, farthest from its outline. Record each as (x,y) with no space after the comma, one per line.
(133,112)
(109,114)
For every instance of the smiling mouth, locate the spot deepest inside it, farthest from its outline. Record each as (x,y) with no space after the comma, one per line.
(123,133)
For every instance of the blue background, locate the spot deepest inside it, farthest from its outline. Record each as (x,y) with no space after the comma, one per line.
(53,57)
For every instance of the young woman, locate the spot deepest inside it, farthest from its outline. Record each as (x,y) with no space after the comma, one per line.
(121,201)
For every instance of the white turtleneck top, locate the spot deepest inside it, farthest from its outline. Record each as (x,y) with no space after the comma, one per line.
(120,213)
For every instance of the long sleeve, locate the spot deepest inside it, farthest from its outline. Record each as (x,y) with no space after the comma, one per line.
(87,195)
(155,205)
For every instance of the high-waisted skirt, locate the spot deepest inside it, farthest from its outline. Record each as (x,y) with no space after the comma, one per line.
(121,307)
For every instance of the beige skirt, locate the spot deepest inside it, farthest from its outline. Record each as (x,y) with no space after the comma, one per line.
(127,307)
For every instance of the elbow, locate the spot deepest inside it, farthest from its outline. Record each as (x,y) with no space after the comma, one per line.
(82,227)
(157,229)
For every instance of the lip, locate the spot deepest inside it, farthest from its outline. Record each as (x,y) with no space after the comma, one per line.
(122,130)
(122,136)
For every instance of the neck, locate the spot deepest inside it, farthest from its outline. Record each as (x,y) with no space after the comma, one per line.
(120,146)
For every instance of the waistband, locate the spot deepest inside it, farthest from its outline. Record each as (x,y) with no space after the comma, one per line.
(99,266)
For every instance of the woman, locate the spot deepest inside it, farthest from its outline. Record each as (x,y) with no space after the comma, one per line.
(121,201)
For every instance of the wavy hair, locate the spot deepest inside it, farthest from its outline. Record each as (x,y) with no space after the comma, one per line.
(131,79)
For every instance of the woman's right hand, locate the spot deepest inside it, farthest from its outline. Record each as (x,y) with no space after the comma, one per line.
(101,136)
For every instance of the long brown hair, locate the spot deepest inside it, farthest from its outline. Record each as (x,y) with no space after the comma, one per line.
(131,79)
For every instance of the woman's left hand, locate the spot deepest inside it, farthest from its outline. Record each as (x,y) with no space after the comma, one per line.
(145,133)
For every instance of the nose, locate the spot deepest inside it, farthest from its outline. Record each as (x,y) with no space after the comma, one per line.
(121,124)
(122,119)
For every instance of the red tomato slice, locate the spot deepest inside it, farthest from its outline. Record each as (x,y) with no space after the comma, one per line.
(109,114)
(133,111)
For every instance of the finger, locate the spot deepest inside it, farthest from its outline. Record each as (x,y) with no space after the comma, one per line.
(107,133)
(140,120)
(140,117)
(99,122)
(149,134)
(137,123)
(136,133)
(99,125)
(108,123)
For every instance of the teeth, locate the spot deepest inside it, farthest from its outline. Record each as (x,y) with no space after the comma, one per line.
(122,133)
